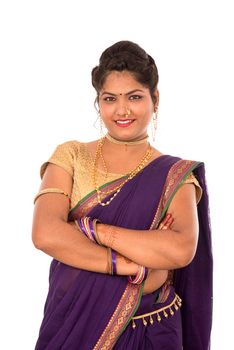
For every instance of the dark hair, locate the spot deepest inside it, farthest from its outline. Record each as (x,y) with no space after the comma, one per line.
(126,55)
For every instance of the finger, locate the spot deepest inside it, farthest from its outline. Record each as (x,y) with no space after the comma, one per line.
(165,227)
(165,221)
(168,225)
(170,222)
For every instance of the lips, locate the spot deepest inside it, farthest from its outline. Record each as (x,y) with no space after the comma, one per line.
(124,122)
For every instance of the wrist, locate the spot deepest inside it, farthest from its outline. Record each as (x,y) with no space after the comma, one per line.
(106,235)
(125,266)
(100,232)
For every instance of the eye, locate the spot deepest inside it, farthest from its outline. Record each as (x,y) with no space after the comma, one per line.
(109,99)
(135,97)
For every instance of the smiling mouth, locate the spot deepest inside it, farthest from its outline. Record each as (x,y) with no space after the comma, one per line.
(125,122)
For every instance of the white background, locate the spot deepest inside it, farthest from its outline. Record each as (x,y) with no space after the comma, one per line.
(48,49)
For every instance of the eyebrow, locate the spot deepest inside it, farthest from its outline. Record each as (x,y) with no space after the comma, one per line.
(128,93)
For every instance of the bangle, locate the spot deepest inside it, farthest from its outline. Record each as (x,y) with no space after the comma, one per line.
(113,260)
(51,190)
(141,275)
(89,228)
(95,222)
(82,224)
(109,262)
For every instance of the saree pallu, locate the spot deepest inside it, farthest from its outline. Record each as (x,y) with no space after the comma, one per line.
(86,310)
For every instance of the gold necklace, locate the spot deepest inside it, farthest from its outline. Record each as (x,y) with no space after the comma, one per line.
(117,189)
(126,143)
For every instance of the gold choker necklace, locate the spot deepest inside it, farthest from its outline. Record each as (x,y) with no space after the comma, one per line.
(126,143)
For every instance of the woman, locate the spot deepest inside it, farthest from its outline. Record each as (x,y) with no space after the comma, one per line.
(126,225)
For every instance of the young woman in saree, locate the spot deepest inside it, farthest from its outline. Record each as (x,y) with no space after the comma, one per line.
(127,227)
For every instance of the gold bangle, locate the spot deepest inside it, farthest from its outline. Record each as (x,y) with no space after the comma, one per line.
(95,222)
(109,262)
(107,265)
(50,190)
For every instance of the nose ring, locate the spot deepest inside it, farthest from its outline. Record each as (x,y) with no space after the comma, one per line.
(128,113)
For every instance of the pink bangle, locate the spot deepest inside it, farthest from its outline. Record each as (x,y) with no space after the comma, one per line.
(141,275)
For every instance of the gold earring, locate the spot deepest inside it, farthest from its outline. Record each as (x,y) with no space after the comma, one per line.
(101,123)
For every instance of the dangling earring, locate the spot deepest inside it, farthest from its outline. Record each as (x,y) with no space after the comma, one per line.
(101,124)
(154,123)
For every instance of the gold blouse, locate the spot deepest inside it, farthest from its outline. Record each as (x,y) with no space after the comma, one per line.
(75,158)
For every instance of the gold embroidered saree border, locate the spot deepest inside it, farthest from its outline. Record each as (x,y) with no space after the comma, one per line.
(121,317)
(87,203)
(175,178)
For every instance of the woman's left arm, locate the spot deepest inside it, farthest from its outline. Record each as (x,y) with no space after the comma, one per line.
(160,249)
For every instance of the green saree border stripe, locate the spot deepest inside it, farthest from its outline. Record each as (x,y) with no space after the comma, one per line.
(177,188)
(92,192)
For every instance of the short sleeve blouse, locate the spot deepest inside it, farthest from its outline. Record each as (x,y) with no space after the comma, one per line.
(75,158)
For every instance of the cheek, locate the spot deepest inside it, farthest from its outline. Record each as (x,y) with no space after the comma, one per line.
(106,110)
(144,114)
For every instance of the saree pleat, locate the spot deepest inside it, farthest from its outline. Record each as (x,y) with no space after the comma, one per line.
(74,292)
(86,310)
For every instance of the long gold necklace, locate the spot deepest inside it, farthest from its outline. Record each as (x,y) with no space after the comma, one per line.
(129,176)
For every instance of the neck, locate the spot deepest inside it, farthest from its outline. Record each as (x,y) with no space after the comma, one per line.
(125,142)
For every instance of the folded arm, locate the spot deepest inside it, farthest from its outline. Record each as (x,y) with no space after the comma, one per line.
(160,249)
(157,249)
(52,234)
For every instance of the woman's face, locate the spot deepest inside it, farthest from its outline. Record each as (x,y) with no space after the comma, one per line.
(122,94)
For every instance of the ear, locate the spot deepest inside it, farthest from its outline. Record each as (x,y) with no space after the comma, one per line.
(156,96)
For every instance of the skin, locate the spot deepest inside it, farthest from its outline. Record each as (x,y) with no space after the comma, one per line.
(171,246)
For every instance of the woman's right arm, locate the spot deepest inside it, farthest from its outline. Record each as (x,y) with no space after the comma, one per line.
(52,234)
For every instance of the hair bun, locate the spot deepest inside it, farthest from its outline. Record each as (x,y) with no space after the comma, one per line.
(126,55)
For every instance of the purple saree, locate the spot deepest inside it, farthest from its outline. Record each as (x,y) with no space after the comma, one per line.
(86,310)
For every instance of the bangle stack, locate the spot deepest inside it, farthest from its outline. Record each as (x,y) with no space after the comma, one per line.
(140,277)
(89,228)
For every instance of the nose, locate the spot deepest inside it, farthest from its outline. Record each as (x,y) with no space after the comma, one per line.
(122,109)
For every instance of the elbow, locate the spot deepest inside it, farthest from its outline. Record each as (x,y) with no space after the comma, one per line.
(44,237)
(39,241)
(185,260)
(185,255)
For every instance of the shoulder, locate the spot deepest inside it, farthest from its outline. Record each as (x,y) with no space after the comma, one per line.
(64,156)
(177,162)
(72,146)
(186,171)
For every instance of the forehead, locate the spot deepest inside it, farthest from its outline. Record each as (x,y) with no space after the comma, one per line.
(121,82)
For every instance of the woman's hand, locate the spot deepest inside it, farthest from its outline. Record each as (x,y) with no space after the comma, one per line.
(125,262)
(106,233)
(166,222)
